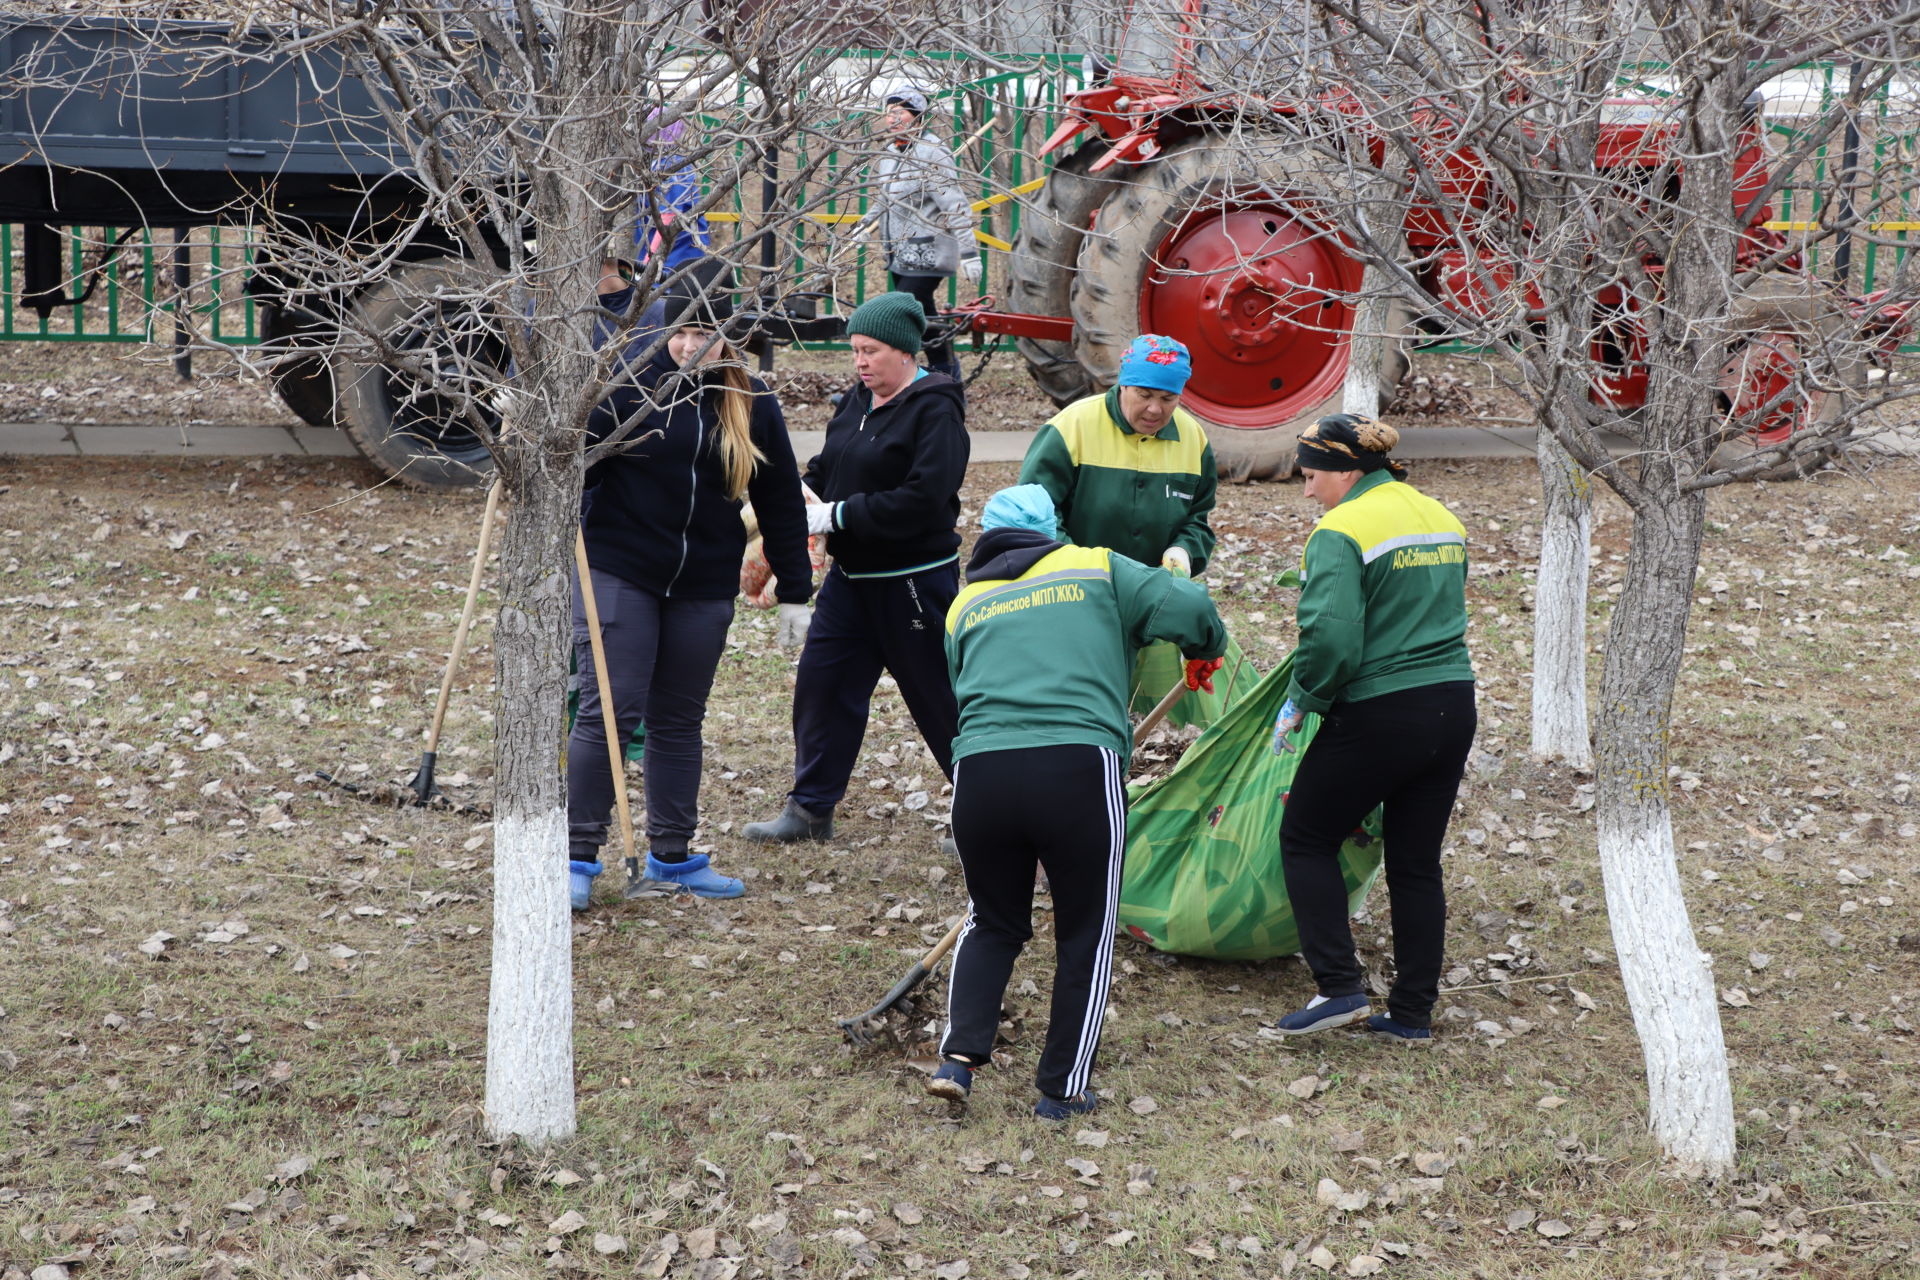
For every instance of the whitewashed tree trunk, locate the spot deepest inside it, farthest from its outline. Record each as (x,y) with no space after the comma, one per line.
(1560,609)
(1362,393)
(1668,980)
(530,999)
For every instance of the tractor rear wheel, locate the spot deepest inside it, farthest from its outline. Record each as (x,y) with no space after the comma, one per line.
(409,427)
(1790,322)
(1222,243)
(1045,254)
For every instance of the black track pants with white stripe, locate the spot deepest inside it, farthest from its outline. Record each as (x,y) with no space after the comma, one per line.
(1062,808)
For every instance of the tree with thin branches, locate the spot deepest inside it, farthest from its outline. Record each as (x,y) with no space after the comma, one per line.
(1585,188)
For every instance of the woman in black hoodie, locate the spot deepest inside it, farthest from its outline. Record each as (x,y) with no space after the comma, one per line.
(889,476)
(664,541)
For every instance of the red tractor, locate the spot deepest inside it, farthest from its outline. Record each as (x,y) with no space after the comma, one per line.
(1197,239)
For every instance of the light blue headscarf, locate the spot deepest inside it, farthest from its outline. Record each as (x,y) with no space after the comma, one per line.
(1024,506)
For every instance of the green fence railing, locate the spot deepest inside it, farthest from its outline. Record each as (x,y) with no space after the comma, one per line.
(135,291)
(996,123)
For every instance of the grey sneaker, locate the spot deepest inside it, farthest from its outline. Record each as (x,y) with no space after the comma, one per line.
(794,823)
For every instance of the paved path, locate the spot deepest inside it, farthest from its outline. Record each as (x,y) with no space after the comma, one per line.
(57,439)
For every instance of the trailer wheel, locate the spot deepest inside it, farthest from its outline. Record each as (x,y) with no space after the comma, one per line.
(1221,244)
(422,430)
(1793,372)
(1045,256)
(300,371)
(305,385)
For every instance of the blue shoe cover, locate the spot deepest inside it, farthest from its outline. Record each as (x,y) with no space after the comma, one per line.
(580,882)
(694,876)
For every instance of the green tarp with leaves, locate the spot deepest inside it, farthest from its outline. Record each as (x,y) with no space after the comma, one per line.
(1202,875)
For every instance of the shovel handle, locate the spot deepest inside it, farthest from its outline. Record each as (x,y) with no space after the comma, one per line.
(616,749)
(466,619)
(1153,718)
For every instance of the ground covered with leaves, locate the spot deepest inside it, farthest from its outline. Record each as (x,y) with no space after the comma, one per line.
(244,1010)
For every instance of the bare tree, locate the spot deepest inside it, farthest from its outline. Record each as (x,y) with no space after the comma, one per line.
(455,180)
(536,154)
(539,135)
(1516,173)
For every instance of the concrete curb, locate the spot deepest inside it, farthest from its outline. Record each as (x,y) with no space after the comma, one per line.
(55,439)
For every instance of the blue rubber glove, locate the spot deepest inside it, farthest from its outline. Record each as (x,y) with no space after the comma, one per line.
(1285,723)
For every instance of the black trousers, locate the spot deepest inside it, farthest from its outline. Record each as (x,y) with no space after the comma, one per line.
(1062,808)
(862,626)
(1406,750)
(940,357)
(662,652)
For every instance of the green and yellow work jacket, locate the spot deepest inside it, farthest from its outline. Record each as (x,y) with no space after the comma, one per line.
(1115,488)
(1040,641)
(1383,603)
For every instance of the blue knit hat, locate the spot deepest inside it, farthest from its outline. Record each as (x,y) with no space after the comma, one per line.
(1024,506)
(1156,362)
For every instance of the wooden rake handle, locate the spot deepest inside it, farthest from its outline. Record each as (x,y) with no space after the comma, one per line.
(616,749)
(466,618)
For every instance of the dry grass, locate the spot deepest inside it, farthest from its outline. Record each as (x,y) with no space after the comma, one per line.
(184,643)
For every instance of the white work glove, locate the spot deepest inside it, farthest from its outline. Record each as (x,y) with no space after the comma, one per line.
(1177,562)
(820,517)
(971,268)
(1284,725)
(791,631)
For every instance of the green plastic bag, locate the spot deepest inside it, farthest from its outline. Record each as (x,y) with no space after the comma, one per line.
(1202,874)
(1159,666)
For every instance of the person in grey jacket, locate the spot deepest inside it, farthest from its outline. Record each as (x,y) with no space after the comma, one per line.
(921,214)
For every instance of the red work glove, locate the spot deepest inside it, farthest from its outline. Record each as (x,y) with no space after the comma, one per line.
(1200,672)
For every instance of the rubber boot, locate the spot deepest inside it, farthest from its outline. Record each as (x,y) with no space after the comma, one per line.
(580,882)
(794,823)
(695,875)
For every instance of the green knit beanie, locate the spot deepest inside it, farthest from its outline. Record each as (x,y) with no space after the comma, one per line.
(893,318)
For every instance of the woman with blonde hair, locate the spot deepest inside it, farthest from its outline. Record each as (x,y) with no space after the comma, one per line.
(664,542)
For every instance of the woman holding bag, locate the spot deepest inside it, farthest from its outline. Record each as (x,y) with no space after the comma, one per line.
(1383,661)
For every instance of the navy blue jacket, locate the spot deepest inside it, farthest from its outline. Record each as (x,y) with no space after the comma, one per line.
(897,471)
(658,515)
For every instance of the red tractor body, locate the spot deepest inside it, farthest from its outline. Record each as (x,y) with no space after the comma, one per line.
(1162,219)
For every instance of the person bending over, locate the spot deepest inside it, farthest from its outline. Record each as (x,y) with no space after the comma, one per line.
(1040,644)
(1383,661)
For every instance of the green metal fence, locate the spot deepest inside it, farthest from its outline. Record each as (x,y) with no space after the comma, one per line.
(137,300)
(1884,168)
(1885,164)
(996,123)
(139,291)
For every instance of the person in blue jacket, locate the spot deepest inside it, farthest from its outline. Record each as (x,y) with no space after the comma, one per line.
(664,541)
(667,219)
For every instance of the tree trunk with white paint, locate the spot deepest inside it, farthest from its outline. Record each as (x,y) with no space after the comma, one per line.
(1362,392)
(530,1003)
(1668,979)
(1560,609)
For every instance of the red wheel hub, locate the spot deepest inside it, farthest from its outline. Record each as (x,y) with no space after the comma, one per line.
(1260,299)
(1759,383)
